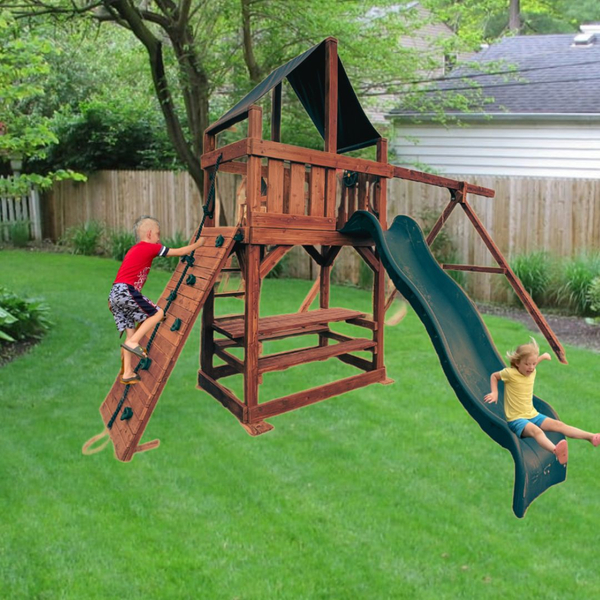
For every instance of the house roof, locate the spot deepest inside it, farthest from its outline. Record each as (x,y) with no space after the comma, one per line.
(553,77)
(306,74)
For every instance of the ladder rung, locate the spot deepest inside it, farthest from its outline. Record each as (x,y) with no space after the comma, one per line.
(235,294)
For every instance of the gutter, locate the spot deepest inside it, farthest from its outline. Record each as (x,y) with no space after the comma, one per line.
(413,118)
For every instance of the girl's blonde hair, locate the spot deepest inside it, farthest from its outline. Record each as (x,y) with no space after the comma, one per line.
(523,351)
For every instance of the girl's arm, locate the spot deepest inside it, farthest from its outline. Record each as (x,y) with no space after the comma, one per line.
(544,356)
(186,249)
(493,395)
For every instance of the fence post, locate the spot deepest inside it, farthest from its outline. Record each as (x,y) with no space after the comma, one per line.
(35,214)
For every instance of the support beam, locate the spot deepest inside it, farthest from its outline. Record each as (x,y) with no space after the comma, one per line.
(515,282)
(310,297)
(272,258)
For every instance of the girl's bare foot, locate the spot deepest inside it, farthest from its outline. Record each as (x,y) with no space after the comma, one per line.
(561,450)
(595,439)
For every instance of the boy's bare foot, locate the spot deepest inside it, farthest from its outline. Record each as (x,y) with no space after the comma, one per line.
(595,439)
(561,450)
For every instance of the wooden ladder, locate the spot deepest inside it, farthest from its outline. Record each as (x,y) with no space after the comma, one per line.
(132,417)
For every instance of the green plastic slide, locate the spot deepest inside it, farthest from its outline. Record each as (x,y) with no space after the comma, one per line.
(464,346)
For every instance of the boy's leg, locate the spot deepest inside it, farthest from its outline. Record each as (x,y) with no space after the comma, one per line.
(127,367)
(134,340)
(573,432)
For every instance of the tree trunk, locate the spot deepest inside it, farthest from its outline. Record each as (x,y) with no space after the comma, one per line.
(188,153)
(514,18)
(253,68)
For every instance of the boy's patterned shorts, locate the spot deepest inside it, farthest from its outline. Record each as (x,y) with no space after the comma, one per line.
(129,306)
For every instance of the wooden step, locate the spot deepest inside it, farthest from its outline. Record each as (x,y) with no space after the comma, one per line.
(292,358)
(278,325)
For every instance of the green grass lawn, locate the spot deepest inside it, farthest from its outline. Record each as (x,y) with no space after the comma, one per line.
(385,492)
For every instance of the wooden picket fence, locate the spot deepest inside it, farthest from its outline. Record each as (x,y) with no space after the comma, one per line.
(17,210)
(559,215)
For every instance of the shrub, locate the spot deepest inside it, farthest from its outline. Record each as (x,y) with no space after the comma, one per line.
(6,320)
(535,272)
(120,241)
(594,295)
(577,276)
(18,233)
(22,318)
(109,135)
(84,239)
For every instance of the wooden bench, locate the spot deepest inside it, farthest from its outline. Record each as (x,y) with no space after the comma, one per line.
(280,326)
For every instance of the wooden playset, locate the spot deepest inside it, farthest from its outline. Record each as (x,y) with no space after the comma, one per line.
(294,197)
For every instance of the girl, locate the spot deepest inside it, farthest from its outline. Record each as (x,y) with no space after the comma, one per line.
(523,419)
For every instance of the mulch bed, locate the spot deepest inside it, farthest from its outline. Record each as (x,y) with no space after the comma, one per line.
(574,331)
(9,352)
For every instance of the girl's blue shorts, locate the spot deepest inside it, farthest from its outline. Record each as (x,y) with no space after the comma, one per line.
(518,425)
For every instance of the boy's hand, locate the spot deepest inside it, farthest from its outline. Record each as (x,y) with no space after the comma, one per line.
(491,398)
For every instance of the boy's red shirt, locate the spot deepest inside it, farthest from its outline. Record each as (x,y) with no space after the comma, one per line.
(137,262)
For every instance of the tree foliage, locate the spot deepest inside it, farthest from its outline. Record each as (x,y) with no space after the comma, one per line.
(24,133)
(203,56)
(485,20)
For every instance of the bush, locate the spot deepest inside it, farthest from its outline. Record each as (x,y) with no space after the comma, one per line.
(120,241)
(535,272)
(18,233)
(594,295)
(85,239)
(109,135)
(577,277)
(22,318)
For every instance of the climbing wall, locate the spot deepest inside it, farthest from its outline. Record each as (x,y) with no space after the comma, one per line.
(127,409)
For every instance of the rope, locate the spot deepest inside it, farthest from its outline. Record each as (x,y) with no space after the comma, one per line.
(208,210)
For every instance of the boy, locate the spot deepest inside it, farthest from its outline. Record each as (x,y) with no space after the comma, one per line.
(126,301)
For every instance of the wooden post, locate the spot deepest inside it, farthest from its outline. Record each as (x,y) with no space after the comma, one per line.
(254,164)
(207,334)
(380,199)
(331,120)
(210,144)
(276,114)
(379,313)
(251,349)
(331,95)
(331,127)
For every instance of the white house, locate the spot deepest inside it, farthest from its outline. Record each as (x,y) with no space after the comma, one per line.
(541,121)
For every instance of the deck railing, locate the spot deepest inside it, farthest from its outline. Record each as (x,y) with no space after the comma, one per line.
(294,187)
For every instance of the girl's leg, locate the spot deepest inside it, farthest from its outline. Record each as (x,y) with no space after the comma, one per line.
(561,450)
(572,432)
(540,437)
